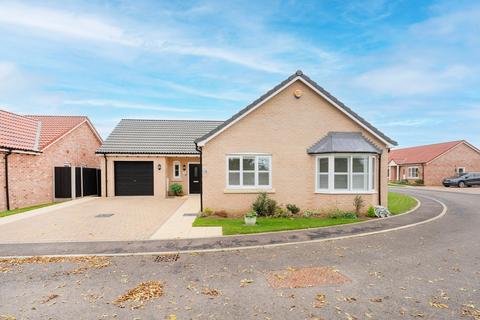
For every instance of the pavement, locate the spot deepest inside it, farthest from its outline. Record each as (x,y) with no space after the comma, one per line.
(429,210)
(467,190)
(179,225)
(429,271)
(91,219)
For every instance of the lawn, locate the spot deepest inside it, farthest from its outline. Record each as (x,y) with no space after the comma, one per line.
(237,225)
(10,212)
(400,203)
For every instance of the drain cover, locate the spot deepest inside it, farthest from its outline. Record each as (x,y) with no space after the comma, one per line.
(189,214)
(104,215)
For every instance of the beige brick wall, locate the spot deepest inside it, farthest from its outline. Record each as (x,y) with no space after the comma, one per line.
(283,127)
(183,174)
(31,176)
(444,166)
(160,177)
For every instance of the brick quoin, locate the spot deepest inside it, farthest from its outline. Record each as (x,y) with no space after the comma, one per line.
(31,176)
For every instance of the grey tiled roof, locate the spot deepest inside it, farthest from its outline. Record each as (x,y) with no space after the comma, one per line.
(352,142)
(299,73)
(138,136)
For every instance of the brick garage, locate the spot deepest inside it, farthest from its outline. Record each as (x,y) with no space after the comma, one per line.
(44,143)
(434,162)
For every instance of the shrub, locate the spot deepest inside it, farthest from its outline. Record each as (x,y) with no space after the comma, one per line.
(263,205)
(293,208)
(177,189)
(281,212)
(358,203)
(221,213)
(207,212)
(310,213)
(403,181)
(371,212)
(419,182)
(251,214)
(338,214)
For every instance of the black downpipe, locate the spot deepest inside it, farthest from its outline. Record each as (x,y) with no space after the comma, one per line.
(380,179)
(106,175)
(7,193)
(199,149)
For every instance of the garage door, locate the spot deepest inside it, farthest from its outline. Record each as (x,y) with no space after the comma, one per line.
(134,178)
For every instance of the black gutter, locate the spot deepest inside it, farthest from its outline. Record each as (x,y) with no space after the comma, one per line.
(379,179)
(199,149)
(106,175)
(7,194)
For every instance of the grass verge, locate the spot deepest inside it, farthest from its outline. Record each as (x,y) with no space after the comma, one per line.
(400,203)
(20,210)
(237,225)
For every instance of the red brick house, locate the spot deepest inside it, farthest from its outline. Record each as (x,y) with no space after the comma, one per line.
(434,162)
(31,146)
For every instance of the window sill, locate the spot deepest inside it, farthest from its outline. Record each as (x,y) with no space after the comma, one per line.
(346,192)
(248,190)
(176,179)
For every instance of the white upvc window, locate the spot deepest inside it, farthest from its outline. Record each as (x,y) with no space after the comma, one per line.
(412,172)
(345,173)
(249,171)
(460,170)
(176,170)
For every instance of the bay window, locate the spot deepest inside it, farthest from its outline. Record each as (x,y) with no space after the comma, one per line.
(344,173)
(249,171)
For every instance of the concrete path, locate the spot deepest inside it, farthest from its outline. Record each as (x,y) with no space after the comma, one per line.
(430,271)
(428,210)
(92,219)
(179,225)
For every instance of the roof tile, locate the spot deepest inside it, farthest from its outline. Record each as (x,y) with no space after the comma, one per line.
(421,154)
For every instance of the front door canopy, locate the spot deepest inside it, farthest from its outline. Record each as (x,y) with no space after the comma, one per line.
(344,142)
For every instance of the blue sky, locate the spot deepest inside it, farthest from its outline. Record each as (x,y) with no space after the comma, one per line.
(411,68)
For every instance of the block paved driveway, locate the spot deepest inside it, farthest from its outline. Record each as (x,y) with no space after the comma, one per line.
(134,218)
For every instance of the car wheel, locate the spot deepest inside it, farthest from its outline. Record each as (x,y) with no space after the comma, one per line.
(461,184)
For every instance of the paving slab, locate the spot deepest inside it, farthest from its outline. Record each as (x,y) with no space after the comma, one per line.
(95,219)
(428,210)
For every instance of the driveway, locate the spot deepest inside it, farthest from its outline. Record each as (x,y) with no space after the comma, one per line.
(470,190)
(95,219)
(431,271)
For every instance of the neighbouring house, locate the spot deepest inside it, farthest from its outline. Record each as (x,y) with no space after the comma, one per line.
(434,162)
(297,142)
(33,146)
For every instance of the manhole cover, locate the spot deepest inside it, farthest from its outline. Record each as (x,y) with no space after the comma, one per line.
(189,214)
(104,215)
(305,277)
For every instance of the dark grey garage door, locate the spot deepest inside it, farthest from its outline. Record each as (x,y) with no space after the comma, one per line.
(134,178)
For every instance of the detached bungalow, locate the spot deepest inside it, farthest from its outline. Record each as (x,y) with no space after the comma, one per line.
(434,162)
(31,147)
(297,142)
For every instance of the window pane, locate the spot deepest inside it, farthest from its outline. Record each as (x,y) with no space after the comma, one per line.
(359,182)
(248,178)
(263,179)
(372,174)
(359,164)
(249,163)
(323,165)
(263,164)
(341,164)
(323,181)
(341,181)
(233,164)
(234,178)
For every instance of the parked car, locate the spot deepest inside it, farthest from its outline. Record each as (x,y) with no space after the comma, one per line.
(466,179)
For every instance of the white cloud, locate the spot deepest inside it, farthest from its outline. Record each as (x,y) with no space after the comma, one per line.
(231,96)
(94,28)
(124,105)
(412,79)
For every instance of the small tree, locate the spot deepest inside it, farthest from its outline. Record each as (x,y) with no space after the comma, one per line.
(358,203)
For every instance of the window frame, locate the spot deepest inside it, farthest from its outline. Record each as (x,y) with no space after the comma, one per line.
(256,171)
(409,176)
(458,170)
(176,162)
(371,173)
